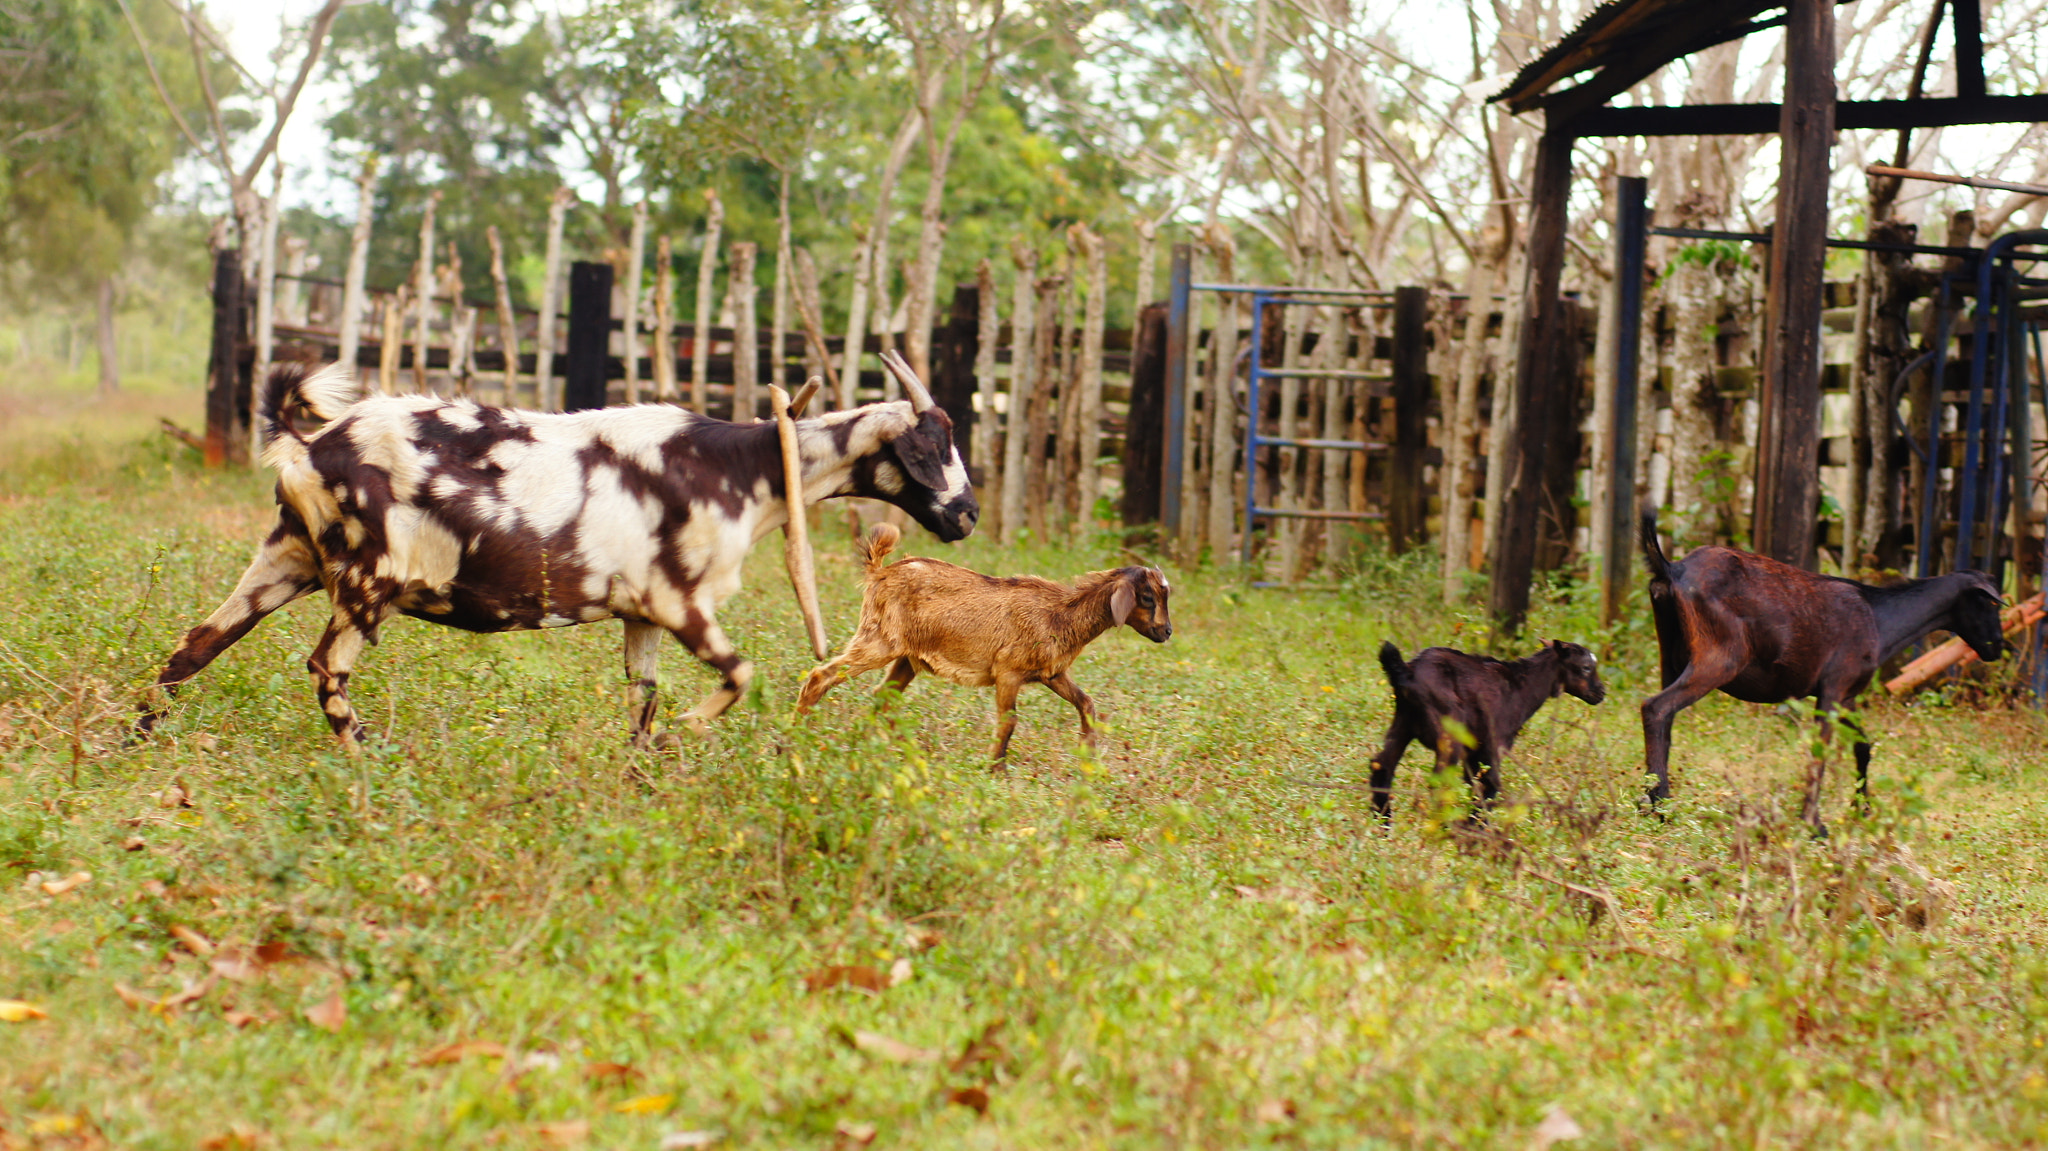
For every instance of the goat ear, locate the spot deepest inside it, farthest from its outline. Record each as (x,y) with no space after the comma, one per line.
(923,450)
(1121,601)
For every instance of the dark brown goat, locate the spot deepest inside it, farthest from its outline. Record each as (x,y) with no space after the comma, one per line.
(926,615)
(1767,632)
(1489,698)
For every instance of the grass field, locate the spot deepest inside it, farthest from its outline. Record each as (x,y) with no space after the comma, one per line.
(501,928)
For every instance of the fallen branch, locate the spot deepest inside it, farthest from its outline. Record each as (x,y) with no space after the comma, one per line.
(196,443)
(1956,653)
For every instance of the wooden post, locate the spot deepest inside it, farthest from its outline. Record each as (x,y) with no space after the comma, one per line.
(664,320)
(1407,497)
(1220,414)
(546,395)
(461,324)
(1038,423)
(1631,221)
(1173,461)
(1144,432)
(391,349)
(223,372)
(1065,465)
(590,323)
(700,334)
(1788,441)
(424,290)
(1023,380)
(746,352)
(1097,259)
(636,266)
(508,320)
(952,379)
(1536,385)
(1556,514)
(358,265)
(809,303)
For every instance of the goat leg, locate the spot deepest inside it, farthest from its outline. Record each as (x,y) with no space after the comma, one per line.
(706,640)
(1399,736)
(333,658)
(1063,685)
(1006,720)
(643,663)
(900,674)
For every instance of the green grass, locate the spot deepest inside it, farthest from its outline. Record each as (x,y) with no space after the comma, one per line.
(1197,939)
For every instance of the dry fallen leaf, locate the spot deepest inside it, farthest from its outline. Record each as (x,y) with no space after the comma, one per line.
(16,1011)
(565,1133)
(644,1105)
(859,1134)
(1275,1110)
(239,1019)
(275,951)
(457,1052)
(134,843)
(617,1074)
(236,963)
(894,1050)
(236,1138)
(973,1097)
(70,882)
(330,1013)
(1556,1127)
(132,997)
(194,942)
(176,795)
(852,975)
(899,972)
(683,1140)
(192,992)
(982,1048)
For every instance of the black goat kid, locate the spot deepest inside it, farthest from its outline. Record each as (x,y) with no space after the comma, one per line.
(1490,699)
(1766,632)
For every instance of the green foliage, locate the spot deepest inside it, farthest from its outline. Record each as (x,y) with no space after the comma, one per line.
(1718,255)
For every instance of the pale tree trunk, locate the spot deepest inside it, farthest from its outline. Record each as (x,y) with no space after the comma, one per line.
(664,320)
(636,260)
(1288,529)
(1222,417)
(871,256)
(778,323)
(1066,416)
(1598,535)
(508,320)
(1501,426)
(810,303)
(392,347)
(883,326)
(1039,421)
(923,282)
(745,354)
(423,288)
(1023,376)
(700,335)
(1334,394)
(1148,260)
(988,331)
(1690,293)
(358,264)
(291,300)
(546,395)
(1097,259)
(461,317)
(110,369)
(1461,465)
(266,309)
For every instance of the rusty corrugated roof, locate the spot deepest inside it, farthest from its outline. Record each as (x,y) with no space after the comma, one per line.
(1626,40)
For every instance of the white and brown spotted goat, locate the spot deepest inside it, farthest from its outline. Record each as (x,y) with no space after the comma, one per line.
(493,519)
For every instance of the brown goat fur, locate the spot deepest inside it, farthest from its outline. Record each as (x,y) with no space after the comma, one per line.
(926,615)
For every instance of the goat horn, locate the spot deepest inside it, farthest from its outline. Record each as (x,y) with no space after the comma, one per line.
(796,548)
(803,396)
(920,399)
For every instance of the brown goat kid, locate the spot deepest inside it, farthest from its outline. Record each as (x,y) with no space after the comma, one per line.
(1490,698)
(1767,632)
(926,615)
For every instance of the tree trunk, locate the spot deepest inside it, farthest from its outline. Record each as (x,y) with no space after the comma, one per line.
(461,318)
(1066,417)
(110,368)
(1460,477)
(778,310)
(1501,417)
(988,329)
(745,352)
(391,348)
(1040,417)
(1148,258)
(546,395)
(1023,378)
(358,265)
(423,288)
(700,334)
(266,311)
(1892,284)
(1696,473)
(664,320)
(508,320)
(636,266)
(871,256)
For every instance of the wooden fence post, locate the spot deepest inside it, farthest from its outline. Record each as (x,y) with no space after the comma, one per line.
(1630,225)
(358,265)
(545,395)
(1023,381)
(223,374)
(1173,461)
(952,385)
(1407,497)
(746,354)
(590,323)
(1144,434)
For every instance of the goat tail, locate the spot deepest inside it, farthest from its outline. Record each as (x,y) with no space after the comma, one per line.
(1392,664)
(325,393)
(876,546)
(1653,552)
